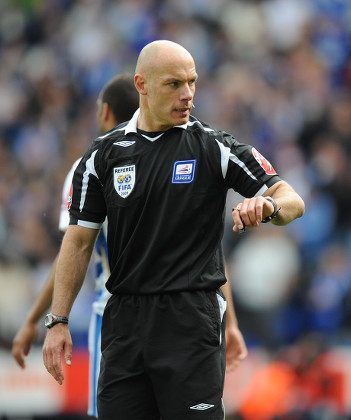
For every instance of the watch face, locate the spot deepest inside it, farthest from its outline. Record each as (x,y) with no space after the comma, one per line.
(51,320)
(48,320)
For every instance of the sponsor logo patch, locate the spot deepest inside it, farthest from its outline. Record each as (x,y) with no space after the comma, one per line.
(183,171)
(124,180)
(201,406)
(124,143)
(265,164)
(69,198)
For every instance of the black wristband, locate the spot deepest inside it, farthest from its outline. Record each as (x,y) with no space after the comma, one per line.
(275,211)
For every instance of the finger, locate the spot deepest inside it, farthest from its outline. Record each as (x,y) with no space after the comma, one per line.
(57,367)
(26,348)
(68,354)
(232,364)
(56,373)
(18,355)
(52,366)
(248,212)
(244,218)
(238,222)
(253,211)
(242,356)
(259,209)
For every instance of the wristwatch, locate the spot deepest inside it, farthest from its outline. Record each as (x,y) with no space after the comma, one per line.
(275,211)
(51,320)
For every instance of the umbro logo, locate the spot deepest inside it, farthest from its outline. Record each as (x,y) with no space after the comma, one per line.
(201,406)
(124,143)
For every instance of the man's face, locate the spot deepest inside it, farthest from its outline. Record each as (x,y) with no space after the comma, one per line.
(170,93)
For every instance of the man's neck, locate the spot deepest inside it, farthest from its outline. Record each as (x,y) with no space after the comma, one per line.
(149,126)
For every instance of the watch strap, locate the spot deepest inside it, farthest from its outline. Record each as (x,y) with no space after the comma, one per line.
(275,211)
(52,319)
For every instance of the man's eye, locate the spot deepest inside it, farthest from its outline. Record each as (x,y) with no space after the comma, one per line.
(173,84)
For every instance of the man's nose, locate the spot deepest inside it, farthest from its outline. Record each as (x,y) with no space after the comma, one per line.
(187,92)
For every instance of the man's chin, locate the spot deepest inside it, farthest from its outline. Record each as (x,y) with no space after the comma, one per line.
(182,120)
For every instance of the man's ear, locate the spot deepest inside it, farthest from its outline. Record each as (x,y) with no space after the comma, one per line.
(140,84)
(105,111)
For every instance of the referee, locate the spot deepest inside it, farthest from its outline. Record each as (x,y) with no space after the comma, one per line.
(161,179)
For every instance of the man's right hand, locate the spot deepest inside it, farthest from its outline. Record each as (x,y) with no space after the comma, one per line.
(58,339)
(23,341)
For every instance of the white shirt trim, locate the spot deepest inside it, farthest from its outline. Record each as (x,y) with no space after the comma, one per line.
(227,155)
(90,225)
(132,125)
(90,169)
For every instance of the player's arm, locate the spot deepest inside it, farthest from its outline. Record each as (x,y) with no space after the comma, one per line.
(288,201)
(28,332)
(251,211)
(77,246)
(236,350)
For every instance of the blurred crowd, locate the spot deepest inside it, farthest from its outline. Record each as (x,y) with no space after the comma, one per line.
(274,73)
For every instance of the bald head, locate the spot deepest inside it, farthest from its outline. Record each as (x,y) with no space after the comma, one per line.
(165,78)
(161,53)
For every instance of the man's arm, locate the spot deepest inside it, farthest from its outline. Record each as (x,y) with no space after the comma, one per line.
(253,210)
(77,246)
(236,350)
(29,330)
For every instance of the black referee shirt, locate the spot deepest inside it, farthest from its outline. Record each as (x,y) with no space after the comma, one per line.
(164,198)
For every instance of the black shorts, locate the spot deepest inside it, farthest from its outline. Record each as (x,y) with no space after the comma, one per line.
(163,356)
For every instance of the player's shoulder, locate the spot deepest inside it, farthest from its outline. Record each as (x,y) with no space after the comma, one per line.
(196,125)
(116,132)
(210,133)
(105,142)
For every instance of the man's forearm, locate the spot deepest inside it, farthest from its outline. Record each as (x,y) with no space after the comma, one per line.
(290,203)
(71,270)
(44,299)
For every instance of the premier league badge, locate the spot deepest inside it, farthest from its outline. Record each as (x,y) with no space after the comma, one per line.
(183,171)
(124,180)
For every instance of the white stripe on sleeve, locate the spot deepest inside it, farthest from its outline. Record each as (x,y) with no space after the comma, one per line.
(90,169)
(226,155)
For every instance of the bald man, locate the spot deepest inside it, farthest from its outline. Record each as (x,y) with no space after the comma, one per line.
(162,180)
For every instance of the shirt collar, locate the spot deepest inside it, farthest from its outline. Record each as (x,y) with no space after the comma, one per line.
(131,127)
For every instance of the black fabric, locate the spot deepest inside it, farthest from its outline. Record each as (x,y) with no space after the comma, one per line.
(164,234)
(162,356)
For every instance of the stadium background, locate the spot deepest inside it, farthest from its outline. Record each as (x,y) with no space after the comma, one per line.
(277,75)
